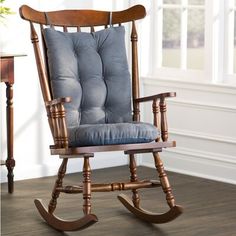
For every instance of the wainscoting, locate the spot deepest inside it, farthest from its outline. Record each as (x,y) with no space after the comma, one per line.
(202,121)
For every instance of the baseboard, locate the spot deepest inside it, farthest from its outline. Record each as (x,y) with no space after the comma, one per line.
(195,164)
(101,160)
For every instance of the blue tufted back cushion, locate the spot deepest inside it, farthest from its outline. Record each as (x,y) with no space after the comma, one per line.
(91,68)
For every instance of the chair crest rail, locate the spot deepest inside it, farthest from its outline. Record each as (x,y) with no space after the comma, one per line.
(82,18)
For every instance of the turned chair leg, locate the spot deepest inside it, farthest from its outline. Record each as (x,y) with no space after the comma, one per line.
(164,180)
(141,213)
(55,194)
(86,186)
(134,178)
(68,225)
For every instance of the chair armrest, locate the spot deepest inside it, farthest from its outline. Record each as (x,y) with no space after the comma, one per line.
(57,121)
(159,111)
(57,101)
(155,97)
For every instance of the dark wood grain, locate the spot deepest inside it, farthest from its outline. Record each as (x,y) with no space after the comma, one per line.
(155,97)
(83,18)
(7,76)
(164,123)
(58,183)
(7,69)
(135,72)
(134,178)
(210,208)
(123,147)
(87,186)
(164,180)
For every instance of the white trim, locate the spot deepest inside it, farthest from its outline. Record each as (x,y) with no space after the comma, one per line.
(229,15)
(191,162)
(203,155)
(204,106)
(190,84)
(183,5)
(184,34)
(158,34)
(195,174)
(205,136)
(216,43)
(181,74)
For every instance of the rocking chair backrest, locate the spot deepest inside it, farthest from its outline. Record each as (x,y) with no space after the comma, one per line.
(67,19)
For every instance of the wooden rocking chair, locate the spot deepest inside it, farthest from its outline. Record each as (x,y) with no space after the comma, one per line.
(87,92)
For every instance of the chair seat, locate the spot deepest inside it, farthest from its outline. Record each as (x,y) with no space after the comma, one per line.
(111,134)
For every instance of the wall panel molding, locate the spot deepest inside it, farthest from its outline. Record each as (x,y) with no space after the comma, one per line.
(205,136)
(202,121)
(204,106)
(193,85)
(212,156)
(201,164)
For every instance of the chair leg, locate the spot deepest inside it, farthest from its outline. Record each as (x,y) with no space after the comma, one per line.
(157,218)
(86,186)
(67,225)
(133,178)
(164,180)
(55,194)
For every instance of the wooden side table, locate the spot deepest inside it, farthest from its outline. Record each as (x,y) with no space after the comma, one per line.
(7,76)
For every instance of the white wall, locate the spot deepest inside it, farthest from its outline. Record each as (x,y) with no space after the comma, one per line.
(32,136)
(202,121)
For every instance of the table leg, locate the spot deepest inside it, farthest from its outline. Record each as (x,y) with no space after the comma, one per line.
(10,162)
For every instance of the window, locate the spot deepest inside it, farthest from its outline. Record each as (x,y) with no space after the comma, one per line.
(234,37)
(230,42)
(194,39)
(183,34)
(231,22)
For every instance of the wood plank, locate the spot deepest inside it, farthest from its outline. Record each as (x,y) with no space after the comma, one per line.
(107,148)
(83,18)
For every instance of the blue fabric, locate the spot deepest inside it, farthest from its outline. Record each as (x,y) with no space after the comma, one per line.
(91,68)
(105,134)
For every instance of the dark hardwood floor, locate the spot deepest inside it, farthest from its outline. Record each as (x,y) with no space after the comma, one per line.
(210,207)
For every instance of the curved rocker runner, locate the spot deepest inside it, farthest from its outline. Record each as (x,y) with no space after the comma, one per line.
(93,105)
(64,225)
(151,217)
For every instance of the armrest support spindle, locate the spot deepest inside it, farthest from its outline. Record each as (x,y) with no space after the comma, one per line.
(57,121)
(156,119)
(159,122)
(164,125)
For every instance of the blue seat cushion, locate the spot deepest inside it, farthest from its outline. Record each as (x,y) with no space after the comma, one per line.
(117,133)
